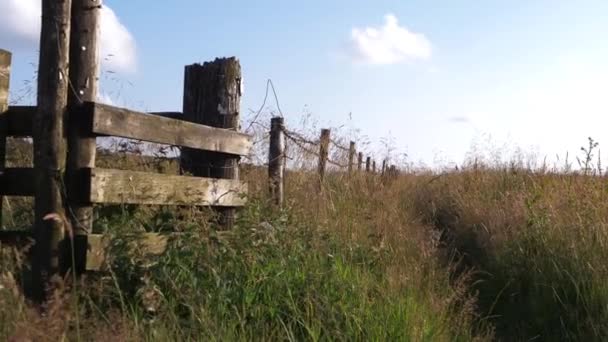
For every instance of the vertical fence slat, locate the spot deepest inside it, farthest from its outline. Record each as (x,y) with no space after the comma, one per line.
(373,166)
(212,96)
(323,152)
(276,161)
(84,71)
(351,157)
(360,161)
(383,167)
(50,142)
(5,73)
(368,165)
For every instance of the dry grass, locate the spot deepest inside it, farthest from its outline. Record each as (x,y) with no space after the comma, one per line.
(486,252)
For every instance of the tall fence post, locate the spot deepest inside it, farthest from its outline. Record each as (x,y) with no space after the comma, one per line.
(383,167)
(84,72)
(368,164)
(351,156)
(50,142)
(212,97)
(374,166)
(276,160)
(5,73)
(360,161)
(323,152)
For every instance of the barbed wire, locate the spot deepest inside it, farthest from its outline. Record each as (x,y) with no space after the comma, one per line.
(306,149)
(337,145)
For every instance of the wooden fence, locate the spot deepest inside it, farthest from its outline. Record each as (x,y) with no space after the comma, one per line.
(64,126)
(66,122)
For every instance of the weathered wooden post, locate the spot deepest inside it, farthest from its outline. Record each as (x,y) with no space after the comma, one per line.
(323,152)
(50,142)
(276,160)
(374,166)
(212,97)
(351,157)
(84,71)
(368,164)
(360,161)
(383,167)
(5,73)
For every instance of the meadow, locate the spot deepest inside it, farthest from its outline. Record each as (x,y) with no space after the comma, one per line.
(488,251)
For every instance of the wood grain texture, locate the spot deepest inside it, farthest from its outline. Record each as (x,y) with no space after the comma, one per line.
(117,186)
(50,141)
(108,120)
(212,96)
(84,75)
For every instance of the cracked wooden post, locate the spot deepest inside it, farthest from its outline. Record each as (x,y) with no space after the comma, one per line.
(360,161)
(84,72)
(383,167)
(351,157)
(323,154)
(368,164)
(212,97)
(276,161)
(5,73)
(50,142)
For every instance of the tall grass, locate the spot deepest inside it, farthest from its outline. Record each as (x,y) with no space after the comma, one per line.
(485,252)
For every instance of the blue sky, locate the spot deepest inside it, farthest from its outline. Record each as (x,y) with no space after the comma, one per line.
(529,74)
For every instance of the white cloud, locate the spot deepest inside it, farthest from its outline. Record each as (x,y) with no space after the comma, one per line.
(118,47)
(20,28)
(389,44)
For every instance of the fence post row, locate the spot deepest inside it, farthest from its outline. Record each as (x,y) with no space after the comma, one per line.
(212,95)
(5,72)
(323,153)
(276,160)
(50,142)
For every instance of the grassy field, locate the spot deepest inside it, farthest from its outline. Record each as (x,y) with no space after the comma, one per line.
(481,253)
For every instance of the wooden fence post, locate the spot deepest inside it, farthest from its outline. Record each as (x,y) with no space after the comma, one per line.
(374,166)
(5,73)
(360,161)
(50,142)
(276,160)
(323,153)
(212,97)
(351,157)
(84,71)
(368,164)
(383,167)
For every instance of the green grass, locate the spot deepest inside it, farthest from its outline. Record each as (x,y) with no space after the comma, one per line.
(484,253)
